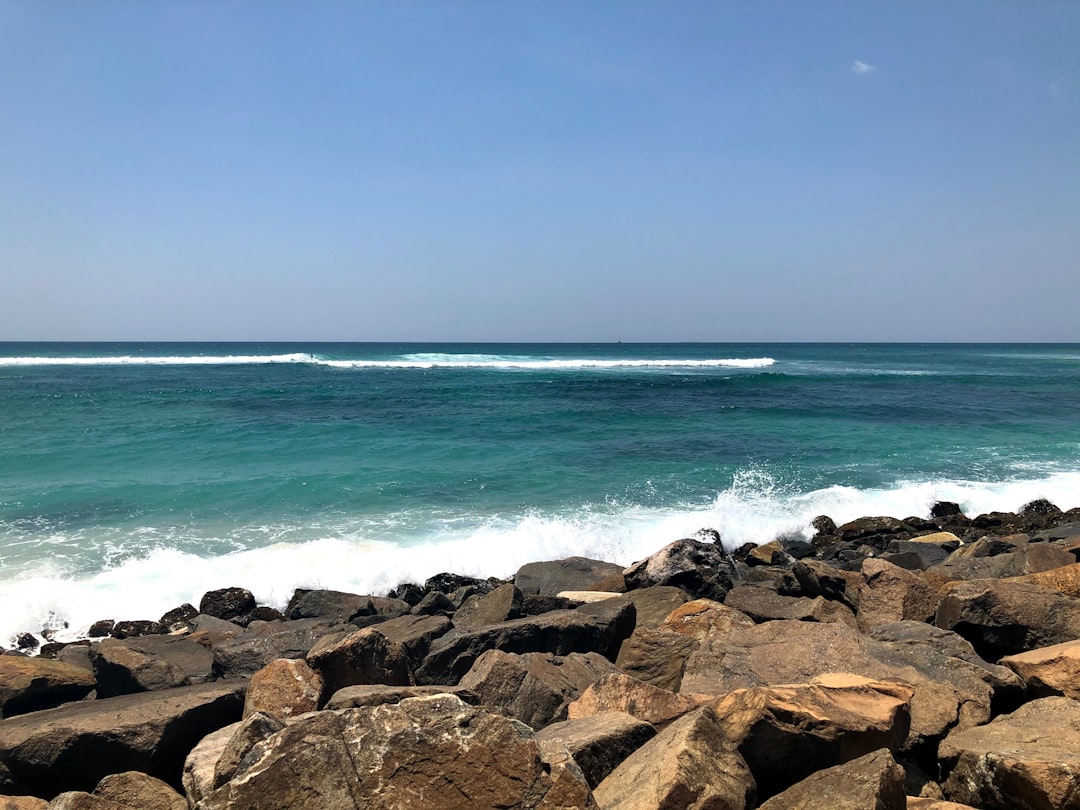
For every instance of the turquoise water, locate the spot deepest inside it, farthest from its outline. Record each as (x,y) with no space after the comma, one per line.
(135,476)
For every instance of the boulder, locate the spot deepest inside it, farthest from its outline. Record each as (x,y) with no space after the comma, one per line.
(362,656)
(284,688)
(251,731)
(560,632)
(873,531)
(31,684)
(435,603)
(967,563)
(705,618)
(814,578)
(179,618)
(786,733)
(139,790)
(918,553)
(1064,579)
(480,610)
(200,765)
(146,663)
(571,574)
(354,697)
(81,800)
(893,594)
(1004,617)
(654,605)
(1047,671)
(617,692)
(22,803)
(330,606)
(242,653)
(227,603)
(1029,759)
(771,553)
(871,782)
(598,743)
(534,688)
(766,605)
(687,765)
(432,753)
(72,747)
(657,656)
(703,570)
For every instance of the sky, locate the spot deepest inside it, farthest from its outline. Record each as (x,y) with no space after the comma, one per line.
(540,170)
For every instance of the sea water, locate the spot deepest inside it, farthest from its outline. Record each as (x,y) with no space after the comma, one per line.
(135,477)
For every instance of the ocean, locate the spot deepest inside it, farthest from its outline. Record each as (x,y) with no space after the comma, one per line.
(136,476)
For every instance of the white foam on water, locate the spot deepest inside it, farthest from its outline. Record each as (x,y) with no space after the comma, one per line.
(544,364)
(755,508)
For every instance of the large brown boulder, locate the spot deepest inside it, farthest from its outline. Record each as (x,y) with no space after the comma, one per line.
(1004,617)
(72,747)
(31,684)
(653,605)
(572,574)
(139,790)
(816,578)
(534,688)
(687,765)
(362,656)
(22,803)
(598,743)
(284,688)
(1049,671)
(703,570)
(243,652)
(1027,760)
(786,733)
(893,594)
(330,606)
(432,753)
(969,563)
(146,663)
(499,605)
(618,692)
(871,782)
(766,605)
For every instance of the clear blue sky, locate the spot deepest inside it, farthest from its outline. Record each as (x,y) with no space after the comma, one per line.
(548,170)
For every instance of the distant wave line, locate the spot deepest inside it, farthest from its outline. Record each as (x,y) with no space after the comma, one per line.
(405,362)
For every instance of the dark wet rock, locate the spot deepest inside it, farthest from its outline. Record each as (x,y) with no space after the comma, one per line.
(599,743)
(813,578)
(408,592)
(74,746)
(27,642)
(32,684)
(533,604)
(330,606)
(136,628)
(701,569)
(918,554)
(263,613)
(100,628)
(823,524)
(243,653)
(179,618)
(448,583)
(534,688)
(143,664)
(945,509)
(872,530)
(227,603)
(572,574)
(998,522)
(499,605)
(436,603)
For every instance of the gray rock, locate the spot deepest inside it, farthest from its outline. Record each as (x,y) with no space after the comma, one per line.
(701,569)
(499,605)
(143,664)
(572,574)
(600,743)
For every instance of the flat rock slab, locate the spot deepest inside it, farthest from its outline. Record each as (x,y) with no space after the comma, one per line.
(572,574)
(1027,760)
(871,782)
(354,697)
(599,743)
(32,684)
(1049,671)
(146,663)
(74,746)
(619,692)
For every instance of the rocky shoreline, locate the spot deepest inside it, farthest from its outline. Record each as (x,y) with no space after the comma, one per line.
(888,663)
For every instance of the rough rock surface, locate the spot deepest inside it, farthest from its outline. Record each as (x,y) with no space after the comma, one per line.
(572,574)
(227,603)
(432,753)
(765,605)
(893,594)
(534,688)
(599,743)
(687,765)
(135,789)
(147,663)
(354,697)
(619,692)
(72,747)
(703,570)
(31,684)
(22,803)
(1048,671)
(499,605)
(871,782)
(1027,760)
(243,652)
(284,688)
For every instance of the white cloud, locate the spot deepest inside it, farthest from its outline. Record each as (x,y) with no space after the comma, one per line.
(860,68)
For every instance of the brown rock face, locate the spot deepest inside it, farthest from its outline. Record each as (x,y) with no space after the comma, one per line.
(424,753)
(500,605)
(765,605)
(1048,671)
(572,574)
(599,743)
(72,747)
(786,733)
(656,656)
(534,688)
(22,803)
(30,684)
(871,782)
(284,688)
(81,800)
(147,663)
(618,692)
(893,594)
(702,618)
(134,789)
(686,765)
(1027,760)
(355,697)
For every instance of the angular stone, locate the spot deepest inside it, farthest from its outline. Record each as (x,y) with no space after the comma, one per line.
(1064,579)
(814,578)
(72,747)
(765,605)
(703,570)
(362,656)
(435,603)
(499,605)
(243,653)
(32,684)
(893,594)
(424,754)
(200,765)
(1029,759)
(618,692)
(22,803)
(139,790)
(251,731)
(1005,617)
(653,605)
(871,528)
(81,800)
(572,574)
(534,688)
(147,663)
(657,656)
(1049,671)
(330,606)
(227,603)
(598,743)
(687,765)
(355,697)
(704,618)
(786,733)
(1033,558)
(871,782)
(284,688)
